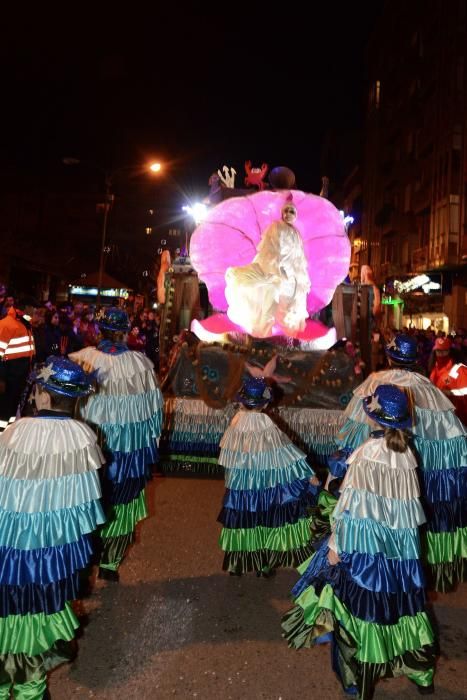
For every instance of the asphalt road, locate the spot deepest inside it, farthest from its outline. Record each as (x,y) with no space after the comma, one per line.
(176,626)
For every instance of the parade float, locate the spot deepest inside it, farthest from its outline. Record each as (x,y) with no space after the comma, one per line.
(271,260)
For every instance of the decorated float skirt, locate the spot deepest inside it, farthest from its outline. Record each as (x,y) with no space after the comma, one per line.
(265,513)
(49,507)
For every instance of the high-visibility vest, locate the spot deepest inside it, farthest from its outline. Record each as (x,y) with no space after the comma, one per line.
(16,340)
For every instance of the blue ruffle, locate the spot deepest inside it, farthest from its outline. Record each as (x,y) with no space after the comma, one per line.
(373,572)
(19,567)
(201,448)
(118,494)
(40,530)
(253,501)
(259,479)
(130,465)
(276,516)
(370,537)
(445,485)
(35,598)
(130,436)
(447,516)
(382,608)
(337,462)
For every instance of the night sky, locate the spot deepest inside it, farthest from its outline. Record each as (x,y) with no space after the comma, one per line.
(196,85)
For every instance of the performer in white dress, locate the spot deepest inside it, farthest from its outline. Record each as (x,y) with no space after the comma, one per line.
(272,290)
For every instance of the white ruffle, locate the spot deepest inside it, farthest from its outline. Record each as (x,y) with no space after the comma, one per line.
(47,448)
(185,414)
(251,431)
(394,513)
(425,394)
(312,425)
(383,480)
(117,375)
(376,450)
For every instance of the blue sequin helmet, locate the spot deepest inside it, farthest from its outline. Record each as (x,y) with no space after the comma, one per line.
(402,349)
(114,319)
(254,393)
(62,376)
(388,406)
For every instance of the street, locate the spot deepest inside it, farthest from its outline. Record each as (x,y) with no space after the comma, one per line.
(176,626)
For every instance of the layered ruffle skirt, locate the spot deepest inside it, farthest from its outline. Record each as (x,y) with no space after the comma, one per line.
(127,415)
(265,516)
(49,508)
(371,605)
(440,443)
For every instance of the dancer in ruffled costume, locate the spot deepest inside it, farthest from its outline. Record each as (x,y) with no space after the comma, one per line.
(126,412)
(49,507)
(364,588)
(272,290)
(269,488)
(440,445)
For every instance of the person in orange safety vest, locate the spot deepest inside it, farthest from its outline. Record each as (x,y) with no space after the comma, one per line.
(450,376)
(16,353)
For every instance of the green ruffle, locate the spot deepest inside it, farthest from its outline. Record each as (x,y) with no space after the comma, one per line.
(35,634)
(278,539)
(21,668)
(122,519)
(446,546)
(416,664)
(242,562)
(446,576)
(376,643)
(114,549)
(186,464)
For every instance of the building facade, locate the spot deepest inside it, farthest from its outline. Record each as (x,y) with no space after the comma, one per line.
(414,167)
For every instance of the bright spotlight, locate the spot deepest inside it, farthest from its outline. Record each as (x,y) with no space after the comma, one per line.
(197,211)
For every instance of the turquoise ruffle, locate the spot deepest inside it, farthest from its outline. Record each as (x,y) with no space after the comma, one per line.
(401,514)
(444,454)
(132,408)
(271,459)
(250,479)
(189,437)
(39,530)
(37,496)
(131,436)
(369,537)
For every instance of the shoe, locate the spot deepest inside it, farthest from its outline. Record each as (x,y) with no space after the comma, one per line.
(266,573)
(426,689)
(108,575)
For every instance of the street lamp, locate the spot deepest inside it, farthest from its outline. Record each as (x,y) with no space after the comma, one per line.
(109,199)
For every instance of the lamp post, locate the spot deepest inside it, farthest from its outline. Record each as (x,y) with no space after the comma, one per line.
(109,198)
(108,201)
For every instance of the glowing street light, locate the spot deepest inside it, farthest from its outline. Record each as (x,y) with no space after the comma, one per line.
(109,199)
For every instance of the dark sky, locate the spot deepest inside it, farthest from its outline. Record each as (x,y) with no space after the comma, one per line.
(197,85)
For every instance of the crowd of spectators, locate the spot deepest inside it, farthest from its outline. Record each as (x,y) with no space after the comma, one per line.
(62,328)
(426,340)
